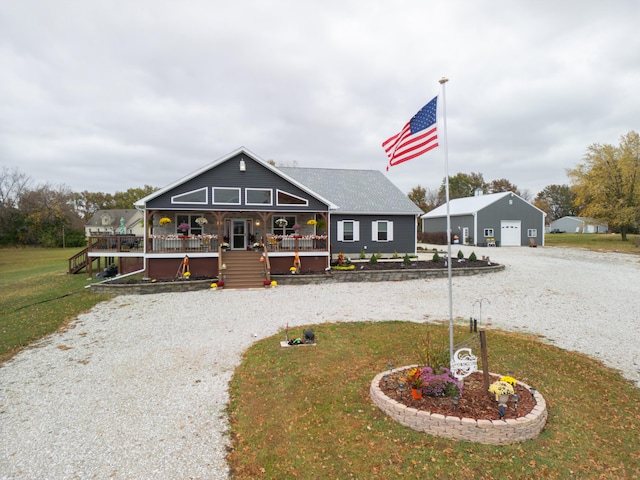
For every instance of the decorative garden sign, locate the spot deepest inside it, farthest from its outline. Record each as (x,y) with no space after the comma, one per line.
(464,363)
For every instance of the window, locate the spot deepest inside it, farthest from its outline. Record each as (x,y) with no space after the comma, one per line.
(194,228)
(228,196)
(195,196)
(488,232)
(258,196)
(382,231)
(285,198)
(348,231)
(532,232)
(283,229)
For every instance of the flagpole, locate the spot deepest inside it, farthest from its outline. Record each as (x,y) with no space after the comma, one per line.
(444,80)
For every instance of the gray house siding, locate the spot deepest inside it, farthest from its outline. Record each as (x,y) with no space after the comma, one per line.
(511,208)
(228,174)
(404,235)
(509,211)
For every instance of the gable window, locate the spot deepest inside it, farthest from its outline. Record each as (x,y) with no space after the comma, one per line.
(195,196)
(532,232)
(258,196)
(382,231)
(282,228)
(226,196)
(488,232)
(348,231)
(285,198)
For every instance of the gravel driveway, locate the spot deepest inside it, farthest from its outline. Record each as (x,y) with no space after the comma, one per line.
(137,387)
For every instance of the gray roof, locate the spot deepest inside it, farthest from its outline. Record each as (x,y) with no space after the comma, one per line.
(355,191)
(466,205)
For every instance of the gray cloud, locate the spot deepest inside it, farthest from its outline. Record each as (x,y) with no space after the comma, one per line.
(104,96)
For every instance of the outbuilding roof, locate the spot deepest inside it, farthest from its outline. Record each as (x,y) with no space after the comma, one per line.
(466,205)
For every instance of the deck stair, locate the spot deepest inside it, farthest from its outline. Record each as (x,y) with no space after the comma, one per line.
(244,269)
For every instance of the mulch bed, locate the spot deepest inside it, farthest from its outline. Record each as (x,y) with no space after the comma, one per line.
(475,402)
(420,265)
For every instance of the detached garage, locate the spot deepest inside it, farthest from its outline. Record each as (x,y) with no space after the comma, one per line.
(496,219)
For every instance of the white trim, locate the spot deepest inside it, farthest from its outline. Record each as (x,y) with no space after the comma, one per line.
(175,201)
(246,196)
(356,231)
(213,195)
(305,204)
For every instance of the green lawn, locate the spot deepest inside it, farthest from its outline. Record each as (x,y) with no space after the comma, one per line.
(305,412)
(37,296)
(594,241)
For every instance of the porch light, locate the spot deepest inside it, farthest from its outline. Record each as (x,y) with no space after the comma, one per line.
(243,166)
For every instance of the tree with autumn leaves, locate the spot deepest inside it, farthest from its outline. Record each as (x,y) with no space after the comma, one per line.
(607,183)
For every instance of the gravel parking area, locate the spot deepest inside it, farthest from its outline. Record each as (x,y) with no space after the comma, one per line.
(136,388)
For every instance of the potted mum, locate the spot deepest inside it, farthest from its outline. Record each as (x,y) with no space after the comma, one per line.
(502,390)
(183,228)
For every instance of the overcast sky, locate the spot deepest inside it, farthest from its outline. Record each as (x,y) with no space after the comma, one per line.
(109,95)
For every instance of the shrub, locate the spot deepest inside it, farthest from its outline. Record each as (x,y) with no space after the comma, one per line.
(472,257)
(433,351)
(395,254)
(362,255)
(435,238)
(406,259)
(436,257)
(373,260)
(460,254)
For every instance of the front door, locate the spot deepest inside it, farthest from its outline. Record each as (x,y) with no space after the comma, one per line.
(238,237)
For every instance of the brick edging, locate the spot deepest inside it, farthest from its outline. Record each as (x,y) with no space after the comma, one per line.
(492,432)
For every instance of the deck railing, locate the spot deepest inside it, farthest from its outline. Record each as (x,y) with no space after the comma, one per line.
(200,243)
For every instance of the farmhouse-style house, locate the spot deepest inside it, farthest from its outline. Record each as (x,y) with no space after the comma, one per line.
(243,219)
(496,219)
(115,222)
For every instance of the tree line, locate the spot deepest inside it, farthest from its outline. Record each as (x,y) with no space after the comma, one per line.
(52,216)
(605,186)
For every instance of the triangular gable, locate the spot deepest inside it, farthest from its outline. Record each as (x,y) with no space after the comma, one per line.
(240,151)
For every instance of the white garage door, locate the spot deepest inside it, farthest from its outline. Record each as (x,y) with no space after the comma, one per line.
(510,233)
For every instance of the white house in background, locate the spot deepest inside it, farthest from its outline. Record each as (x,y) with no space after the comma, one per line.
(115,222)
(578,225)
(499,219)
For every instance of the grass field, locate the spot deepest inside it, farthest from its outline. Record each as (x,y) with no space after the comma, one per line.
(37,296)
(305,413)
(593,241)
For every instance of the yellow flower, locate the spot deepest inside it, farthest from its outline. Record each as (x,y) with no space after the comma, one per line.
(274,283)
(186,274)
(509,380)
(312,222)
(165,221)
(214,285)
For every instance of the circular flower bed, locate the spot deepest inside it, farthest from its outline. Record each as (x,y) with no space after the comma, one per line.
(476,418)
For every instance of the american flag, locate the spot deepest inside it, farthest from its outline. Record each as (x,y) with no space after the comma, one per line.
(418,136)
